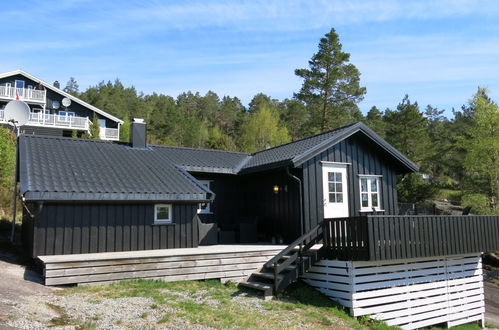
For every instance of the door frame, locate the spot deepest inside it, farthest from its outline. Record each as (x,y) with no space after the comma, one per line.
(346,189)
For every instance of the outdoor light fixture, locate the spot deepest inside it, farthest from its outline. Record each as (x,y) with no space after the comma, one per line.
(275,189)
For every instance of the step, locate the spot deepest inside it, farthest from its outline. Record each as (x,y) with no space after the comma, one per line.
(267,275)
(266,288)
(288,269)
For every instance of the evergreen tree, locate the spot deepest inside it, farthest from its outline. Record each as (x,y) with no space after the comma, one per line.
(95,128)
(407,131)
(72,87)
(7,167)
(295,116)
(374,120)
(331,86)
(482,158)
(125,130)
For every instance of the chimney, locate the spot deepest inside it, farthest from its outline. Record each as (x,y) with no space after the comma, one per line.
(56,84)
(139,133)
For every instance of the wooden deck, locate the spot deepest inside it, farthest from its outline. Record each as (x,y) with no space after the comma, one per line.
(225,262)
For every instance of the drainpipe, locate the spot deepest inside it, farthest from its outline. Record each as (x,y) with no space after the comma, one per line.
(296,179)
(14,191)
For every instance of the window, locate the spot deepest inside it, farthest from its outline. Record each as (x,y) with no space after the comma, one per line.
(163,214)
(205,208)
(335,187)
(64,115)
(369,193)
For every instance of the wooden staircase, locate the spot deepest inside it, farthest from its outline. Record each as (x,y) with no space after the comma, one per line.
(287,266)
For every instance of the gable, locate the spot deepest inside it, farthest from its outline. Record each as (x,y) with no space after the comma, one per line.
(17,74)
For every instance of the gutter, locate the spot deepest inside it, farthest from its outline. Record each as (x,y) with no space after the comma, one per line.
(300,204)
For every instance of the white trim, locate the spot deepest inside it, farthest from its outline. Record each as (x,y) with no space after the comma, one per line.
(169,220)
(371,210)
(371,175)
(369,207)
(207,210)
(59,91)
(334,163)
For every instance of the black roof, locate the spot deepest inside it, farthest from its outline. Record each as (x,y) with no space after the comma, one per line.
(297,152)
(57,168)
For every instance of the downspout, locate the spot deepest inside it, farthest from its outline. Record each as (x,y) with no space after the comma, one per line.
(297,179)
(14,193)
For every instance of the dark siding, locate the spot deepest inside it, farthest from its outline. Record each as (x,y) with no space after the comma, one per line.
(364,158)
(87,228)
(278,214)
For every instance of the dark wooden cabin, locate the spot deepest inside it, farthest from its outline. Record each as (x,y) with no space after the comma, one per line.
(84,196)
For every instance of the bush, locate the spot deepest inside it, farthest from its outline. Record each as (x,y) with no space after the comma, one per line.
(479,203)
(412,188)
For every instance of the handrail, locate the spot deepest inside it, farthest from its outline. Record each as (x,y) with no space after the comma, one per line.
(291,246)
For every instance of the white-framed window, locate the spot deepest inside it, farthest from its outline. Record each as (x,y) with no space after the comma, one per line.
(65,115)
(205,208)
(369,192)
(163,214)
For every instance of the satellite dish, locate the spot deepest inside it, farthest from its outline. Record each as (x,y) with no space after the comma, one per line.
(18,111)
(66,102)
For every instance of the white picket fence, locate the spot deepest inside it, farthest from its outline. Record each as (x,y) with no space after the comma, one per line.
(410,293)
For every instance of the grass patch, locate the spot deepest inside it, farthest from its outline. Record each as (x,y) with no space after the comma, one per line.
(491,325)
(216,305)
(62,320)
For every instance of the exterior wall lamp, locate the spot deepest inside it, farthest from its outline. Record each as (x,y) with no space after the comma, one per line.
(275,189)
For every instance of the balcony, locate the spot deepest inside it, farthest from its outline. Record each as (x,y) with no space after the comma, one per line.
(389,237)
(112,134)
(23,94)
(56,121)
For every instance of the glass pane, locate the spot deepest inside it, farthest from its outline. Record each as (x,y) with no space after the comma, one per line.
(339,198)
(332,198)
(338,177)
(162,213)
(374,198)
(330,176)
(374,185)
(365,203)
(339,187)
(363,185)
(331,187)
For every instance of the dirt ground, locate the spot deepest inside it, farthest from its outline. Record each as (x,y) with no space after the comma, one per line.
(20,285)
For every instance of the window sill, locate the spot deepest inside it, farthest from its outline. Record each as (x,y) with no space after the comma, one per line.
(371,210)
(163,224)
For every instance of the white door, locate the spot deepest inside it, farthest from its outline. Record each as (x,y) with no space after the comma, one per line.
(334,178)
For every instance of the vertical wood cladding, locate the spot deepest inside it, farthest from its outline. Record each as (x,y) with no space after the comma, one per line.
(88,228)
(363,157)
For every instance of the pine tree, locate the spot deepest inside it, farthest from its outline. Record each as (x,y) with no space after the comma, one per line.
(125,130)
(95,128)
(331,87)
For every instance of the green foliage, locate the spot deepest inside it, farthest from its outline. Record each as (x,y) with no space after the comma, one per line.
(262,130)
(7,167)
(95,128)
(407,131)
(479,203)
(125,130)
(412,188)
(331,86)
(72,87)
(482,157)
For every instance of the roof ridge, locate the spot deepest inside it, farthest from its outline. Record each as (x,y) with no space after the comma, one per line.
(306,138)
(203,149)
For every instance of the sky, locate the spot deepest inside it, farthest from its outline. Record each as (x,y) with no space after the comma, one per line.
(437,52)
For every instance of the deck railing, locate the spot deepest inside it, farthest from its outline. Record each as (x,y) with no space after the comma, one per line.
(39,119)
(387,237)
(109,133)
(23,94)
